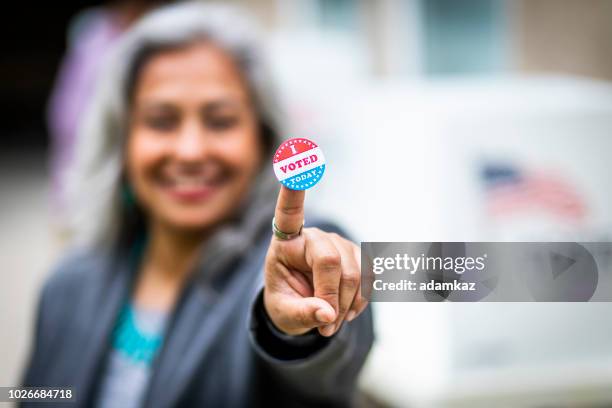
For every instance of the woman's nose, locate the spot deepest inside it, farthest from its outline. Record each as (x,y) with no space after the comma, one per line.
(191,143)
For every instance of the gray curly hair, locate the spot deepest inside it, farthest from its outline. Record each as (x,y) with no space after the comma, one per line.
(98,211)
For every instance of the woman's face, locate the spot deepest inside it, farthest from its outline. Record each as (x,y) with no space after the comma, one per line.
(193,146)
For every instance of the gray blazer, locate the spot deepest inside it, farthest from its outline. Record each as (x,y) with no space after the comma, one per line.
(219,350)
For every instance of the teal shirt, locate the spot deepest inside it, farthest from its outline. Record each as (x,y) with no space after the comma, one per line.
(136,339)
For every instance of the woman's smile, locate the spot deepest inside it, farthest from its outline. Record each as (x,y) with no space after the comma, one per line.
(192,185)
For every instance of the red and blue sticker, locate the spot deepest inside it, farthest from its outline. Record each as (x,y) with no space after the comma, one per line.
(299,164)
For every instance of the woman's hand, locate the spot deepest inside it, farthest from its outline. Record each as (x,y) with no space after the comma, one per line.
(312,280)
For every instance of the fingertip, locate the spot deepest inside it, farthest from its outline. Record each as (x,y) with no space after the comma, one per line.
(327,330)
(290,192)
(325,315)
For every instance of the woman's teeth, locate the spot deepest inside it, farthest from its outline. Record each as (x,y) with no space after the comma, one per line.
(191,182)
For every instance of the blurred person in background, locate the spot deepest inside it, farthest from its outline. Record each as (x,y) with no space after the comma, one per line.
(179,293)
(91,36)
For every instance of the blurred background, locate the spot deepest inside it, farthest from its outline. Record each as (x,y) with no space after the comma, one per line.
(441,120)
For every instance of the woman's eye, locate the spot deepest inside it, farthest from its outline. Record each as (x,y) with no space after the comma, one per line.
(161,123)
(220,123)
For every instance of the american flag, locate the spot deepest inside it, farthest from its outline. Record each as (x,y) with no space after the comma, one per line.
(510,190)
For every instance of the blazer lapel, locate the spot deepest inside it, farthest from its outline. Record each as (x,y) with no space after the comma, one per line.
(99,312)
(196,324)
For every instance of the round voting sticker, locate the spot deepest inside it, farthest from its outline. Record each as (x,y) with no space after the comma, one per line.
(299,164)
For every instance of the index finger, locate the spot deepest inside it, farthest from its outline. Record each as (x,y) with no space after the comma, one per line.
(289,213)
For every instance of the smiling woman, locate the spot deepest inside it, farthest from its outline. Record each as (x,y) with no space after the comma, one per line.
(194,146)
(178,294)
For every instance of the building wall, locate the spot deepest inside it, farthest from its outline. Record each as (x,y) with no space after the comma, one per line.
(565,36)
